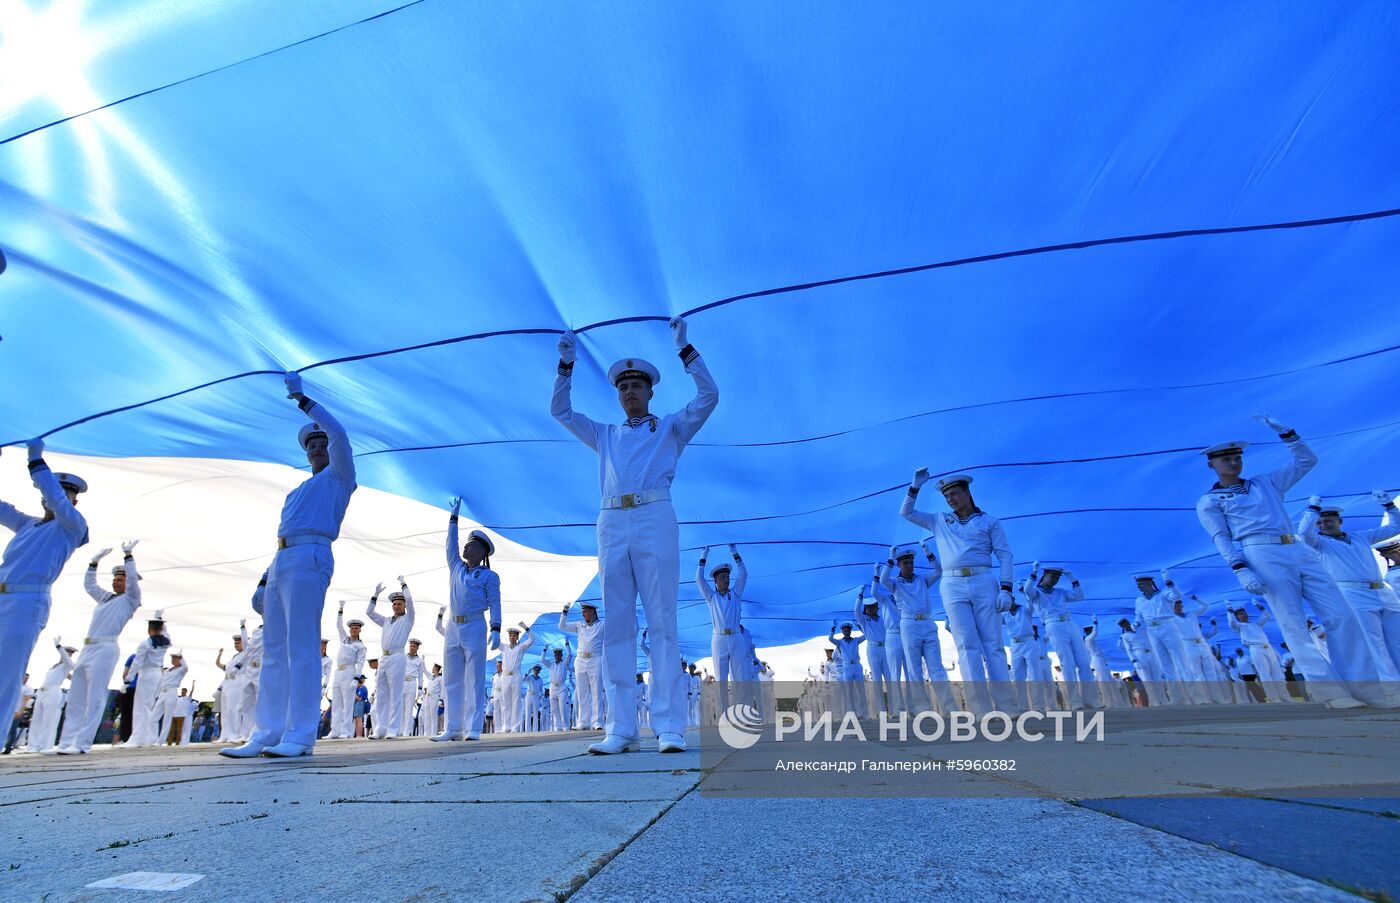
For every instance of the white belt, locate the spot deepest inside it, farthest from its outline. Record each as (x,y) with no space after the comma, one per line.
(94,640)
(725,632)
(1020,639)
(877,642)
(1056,617)
(585,655)
(342,667)
(1153,622)
(965,572)
(917,617)
(460,619)
(1267,539)
(388,652)
(1363,584)
(508,673)
(634,499)
(302,539)
(13,588)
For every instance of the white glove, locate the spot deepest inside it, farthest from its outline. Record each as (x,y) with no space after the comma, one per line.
(705,553)
(101,554)
(921,476)
(401,581)
(129,545)
(894,550)
(1035,567)
(160,614)
(495,641)
(293,383)
(1314,501)
(524,626)
(442,610)
(1273,424)
(1068,575)
(678,329)
(378,588)
(566,607)
(57,641)
(1166,578)
(927,553)
(568,347)
(1382,497)
(456,504)
(1251,583)
(36,449)
(733,552)
(1005,600)
(242,622)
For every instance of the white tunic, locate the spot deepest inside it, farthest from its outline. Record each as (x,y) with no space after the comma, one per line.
(1254,507)
(39,549)
(113,611)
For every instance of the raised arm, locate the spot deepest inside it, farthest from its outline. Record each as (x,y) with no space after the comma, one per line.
(935,569)
(370,613)
(408,602)
(561,405)
(64,657)
(342,456)
(340,624)
(741,573)
(1304,459)
(1307,524)
(912,514)
(1389,524)
(564,624)
(701,582)
(687,421)
(99,595)
(529,638)
(455,565)
(54,496)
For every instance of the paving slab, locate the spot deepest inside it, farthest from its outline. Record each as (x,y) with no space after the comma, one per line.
(851,850)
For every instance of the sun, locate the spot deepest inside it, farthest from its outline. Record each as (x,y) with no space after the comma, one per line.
(43,53)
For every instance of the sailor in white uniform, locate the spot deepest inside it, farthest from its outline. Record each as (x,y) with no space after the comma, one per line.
(974,595)
(388,684)
(1261,651)
(1051,601)
(1351,560)
(87,695)
(872,627)
(638,536)
(725,601)
(923,656)
(349,664)
(1156,610)
(588,665)
(475,626)
(288,714)
(48,700)
(31,563)
(509,714)
(1249,523)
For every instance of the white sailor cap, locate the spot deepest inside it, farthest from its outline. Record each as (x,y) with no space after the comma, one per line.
(397,594)
(355,623)
(1051,569)
(71,481)
(592,605)
(954,480)
(177,653)
(238,636)
(1334,510)
(514,630)
(1146,575)
(1224,448)
(1386,545)
(121,569)
(907,553)
(308,432)
(633,368)
(724,566)
(485,540)
(411,641)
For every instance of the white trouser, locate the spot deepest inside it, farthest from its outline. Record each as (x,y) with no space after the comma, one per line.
(43,723)
(1209,670)
(532,712)
(428,715)
(588,691)
(1109,690)
(1173,658)
(288,706)
(144,729)
(971,604)
(1293,574)
(1068,643)
(897,670)
(508,704)
(87,694)
(343,702)
(167,704)
(1372,612)
(923,659)
(388,695)
(880,680)
(853,688)
(1151,676)
(727,652)
(1025,670)
(248,703)
(22,616)
(639,554)
(558,707)
(407,716)
(464,674)
(1270,672)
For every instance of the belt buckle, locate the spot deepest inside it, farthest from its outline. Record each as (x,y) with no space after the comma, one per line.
(459,619)
(630,499)
(1286,539)
(4,587)
(1374,585)
(281,542)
